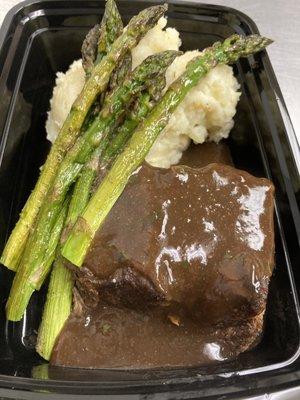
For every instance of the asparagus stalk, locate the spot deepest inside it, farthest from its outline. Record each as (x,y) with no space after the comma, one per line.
(83,186)
(141,108)
(143,104)
(110,189)
(57,308)
(96,45)
(89,49)
(85,181)
(31,270)
(95,85)
(25,289)
(40,372)
(111,28)
(100,38)
(81,193)
(53,242)
(120,73)
(115,147)
(59,297)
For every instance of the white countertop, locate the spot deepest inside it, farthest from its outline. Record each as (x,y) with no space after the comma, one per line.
(279,20)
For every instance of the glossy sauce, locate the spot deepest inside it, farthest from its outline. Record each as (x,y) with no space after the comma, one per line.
(179,272)
(111,337)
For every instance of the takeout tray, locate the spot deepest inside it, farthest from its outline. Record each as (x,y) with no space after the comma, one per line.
(39,38)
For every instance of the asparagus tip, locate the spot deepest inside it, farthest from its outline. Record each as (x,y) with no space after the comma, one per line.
(246,45)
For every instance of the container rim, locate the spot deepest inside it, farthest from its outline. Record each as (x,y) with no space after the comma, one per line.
(25,3)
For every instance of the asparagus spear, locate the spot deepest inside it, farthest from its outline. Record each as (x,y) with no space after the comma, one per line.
(53,242)
(100,38)
(96,84)
(31,270)
(26,289)
(96,45)
(140,109)
(143,104)
(60,279)
(83,186)
(144,136)
(111,28)
(89,49)
(59,297)
(57,308)
(115,147)
(40,372)
(85,181)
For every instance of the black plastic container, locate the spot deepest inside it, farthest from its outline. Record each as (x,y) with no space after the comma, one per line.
(39,38)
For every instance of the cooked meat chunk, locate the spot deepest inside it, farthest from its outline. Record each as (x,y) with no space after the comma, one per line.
(201,238)
(178,274)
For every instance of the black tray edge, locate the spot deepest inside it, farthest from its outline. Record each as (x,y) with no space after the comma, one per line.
(39,384)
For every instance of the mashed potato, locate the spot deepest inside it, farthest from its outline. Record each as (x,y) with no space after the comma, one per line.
(67,88)
(205,114)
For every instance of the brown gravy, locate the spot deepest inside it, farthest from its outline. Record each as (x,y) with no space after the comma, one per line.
(112,337)
(172,280)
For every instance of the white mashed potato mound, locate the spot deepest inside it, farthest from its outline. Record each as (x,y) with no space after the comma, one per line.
(206,113)
(67,87)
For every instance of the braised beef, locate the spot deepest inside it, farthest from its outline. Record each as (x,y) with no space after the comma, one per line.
(202,238)
(178,274)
